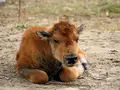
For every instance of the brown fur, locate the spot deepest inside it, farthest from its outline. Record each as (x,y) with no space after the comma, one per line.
(38,61)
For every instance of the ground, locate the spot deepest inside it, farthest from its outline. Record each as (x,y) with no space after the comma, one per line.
(100,40)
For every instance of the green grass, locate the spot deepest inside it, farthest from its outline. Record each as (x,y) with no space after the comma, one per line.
(21,26)
(115,8)
(112,7)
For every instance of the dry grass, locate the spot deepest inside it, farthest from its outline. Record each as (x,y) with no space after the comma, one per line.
(44,12)
(74,7)
(69,7)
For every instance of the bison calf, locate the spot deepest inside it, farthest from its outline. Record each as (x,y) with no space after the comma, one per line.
(44,53)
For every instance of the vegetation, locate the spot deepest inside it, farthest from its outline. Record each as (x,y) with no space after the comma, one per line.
(76,7)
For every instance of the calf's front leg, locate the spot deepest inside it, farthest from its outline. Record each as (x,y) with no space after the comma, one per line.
(71,73)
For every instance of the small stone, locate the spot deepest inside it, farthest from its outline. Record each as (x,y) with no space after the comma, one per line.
(7,78)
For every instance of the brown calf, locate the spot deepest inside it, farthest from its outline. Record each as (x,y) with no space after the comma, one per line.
(45,52)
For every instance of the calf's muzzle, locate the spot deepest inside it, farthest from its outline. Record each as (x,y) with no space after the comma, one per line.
(71,58)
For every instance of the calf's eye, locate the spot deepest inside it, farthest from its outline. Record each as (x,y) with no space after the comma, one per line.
(56,41)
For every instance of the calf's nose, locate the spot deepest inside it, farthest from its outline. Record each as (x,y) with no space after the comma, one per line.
(71,58)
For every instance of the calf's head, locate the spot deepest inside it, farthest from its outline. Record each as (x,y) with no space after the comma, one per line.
(63,39)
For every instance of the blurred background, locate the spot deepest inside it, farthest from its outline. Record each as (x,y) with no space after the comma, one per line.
(44,12)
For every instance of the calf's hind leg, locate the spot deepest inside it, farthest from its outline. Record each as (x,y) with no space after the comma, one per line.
(35,75)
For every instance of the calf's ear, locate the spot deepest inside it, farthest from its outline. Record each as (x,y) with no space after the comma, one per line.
(43,34)
(81,28)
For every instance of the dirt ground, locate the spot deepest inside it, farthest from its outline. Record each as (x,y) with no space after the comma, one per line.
(100,40)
